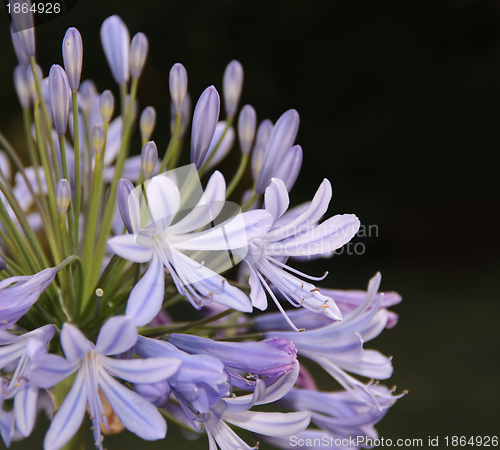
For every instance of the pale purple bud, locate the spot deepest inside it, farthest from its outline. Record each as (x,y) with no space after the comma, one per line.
(147,123)
(87,92)
(22,25)
(59,98)
(138,54)
(30,79)
(224,147)
(124,189)
(72,50)
(46,92)
(149,158)
(263,133)
(115,40)
(22,56)
(178,83)
(288,169)
(247,122)
(232,84)
(22,88)
(63,196)
(97,138)
(205,117)
(281,139)
(107,106)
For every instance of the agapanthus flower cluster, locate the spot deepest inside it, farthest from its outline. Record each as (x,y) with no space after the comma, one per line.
(97,246)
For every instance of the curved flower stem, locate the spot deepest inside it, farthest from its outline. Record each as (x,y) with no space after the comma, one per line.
(76,142)
(45,115)
(111,201)
(172,145)
(239,173)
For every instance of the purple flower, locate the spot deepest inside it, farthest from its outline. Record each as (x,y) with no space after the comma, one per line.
(138,53)
(205,117)
(6,419)
(161,243)
(281,139)
(59,98)
(22,88)
(178,83)
(16,348)
(115,40)
(94,372)
(17,295)
(247,122)
(263,133)
(72,50)
(224,147)
(289,169)
(232,83)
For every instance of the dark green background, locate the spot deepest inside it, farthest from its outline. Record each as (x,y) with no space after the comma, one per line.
(400,109)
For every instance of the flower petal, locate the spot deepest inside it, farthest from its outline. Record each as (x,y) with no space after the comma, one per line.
(276,199)
(164,201)
(74,343)
(146,297)
(68,419)
(126,247)
(150,370)
(25,409)
(137,414)
(117,335)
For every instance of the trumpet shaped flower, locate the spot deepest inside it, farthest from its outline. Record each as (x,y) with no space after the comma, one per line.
(94,370)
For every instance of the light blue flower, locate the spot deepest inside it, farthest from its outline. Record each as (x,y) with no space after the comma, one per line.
(94,370)
(17,295)
(115,40)
(161,243)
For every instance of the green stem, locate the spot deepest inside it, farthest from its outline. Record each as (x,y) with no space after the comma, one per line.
(239,173)
(76,142)
(71,214)
(172,144)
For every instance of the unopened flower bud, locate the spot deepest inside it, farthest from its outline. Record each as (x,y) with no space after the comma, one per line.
(22,88)
(223,148)
(59,98)
(97,138)
(128,205)
(156,393)
(232,83)
(288,169)
(115,40)
(107,106)
(205,117)
(263,133)
(149,158)
(178,83)
(22,25)
(147,123)
(63,195)
(281,139)
(30,79)
(72,50)
(22,56)
(247,123)
(138,53)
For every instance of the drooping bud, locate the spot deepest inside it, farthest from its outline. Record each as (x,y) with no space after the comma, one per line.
(87,93)
(156,393)
(281,139)
(30,79)
(149,158)
(138,54)
(205,117)
(232,83)
(107,106)
(22,88)
(63,196)
(178,83)
(263,133)
(128,205)
(59,98)
(247,122)
(72,50)
(115,40)
(22,25)
(224,147)
(97,138)
(22,56)
(147,123)
(289,168)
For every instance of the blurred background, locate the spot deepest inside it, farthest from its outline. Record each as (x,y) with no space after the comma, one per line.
(400,109)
